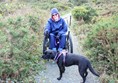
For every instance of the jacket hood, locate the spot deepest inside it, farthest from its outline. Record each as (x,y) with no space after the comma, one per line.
(54,11)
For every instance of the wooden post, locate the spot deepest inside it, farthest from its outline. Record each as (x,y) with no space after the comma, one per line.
(70,21)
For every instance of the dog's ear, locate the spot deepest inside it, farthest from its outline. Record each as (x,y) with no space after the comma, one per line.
(47,52)
(52,54)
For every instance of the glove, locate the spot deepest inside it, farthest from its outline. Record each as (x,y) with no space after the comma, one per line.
(46,33)
(58,35)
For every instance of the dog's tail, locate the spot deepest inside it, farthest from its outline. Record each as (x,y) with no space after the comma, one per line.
(92,70)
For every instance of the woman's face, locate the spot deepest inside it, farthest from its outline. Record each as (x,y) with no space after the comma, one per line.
(55,17)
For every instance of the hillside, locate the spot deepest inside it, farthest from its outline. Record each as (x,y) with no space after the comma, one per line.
(21,36)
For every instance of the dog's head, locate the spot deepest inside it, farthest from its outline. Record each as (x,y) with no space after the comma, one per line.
(49,54)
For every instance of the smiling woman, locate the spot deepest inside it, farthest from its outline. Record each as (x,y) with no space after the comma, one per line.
(55,14)
(55,17)
(56,27)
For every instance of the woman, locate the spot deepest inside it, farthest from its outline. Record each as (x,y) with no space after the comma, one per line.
(56,27)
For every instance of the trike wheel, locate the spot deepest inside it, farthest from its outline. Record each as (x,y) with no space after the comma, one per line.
(45,44)
(69,44)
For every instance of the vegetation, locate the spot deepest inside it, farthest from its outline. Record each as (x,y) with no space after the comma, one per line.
(19,54)
(99,39)
(85,13)
(46,5)
(21,34)
(102,42)
(78,2)
(20,44)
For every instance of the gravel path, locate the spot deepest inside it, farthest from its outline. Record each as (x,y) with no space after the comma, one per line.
(71,74)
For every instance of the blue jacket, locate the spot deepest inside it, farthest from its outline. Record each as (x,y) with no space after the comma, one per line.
(59,27)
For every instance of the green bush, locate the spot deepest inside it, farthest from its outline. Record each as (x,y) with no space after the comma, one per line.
(61,6)
(79,12)
(83,12)
(20,47)
(9,8)
(78,2)
(102,42)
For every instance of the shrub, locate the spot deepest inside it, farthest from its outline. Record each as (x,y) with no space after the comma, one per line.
(78,2)
(79,12)
(83,12)
(8,8)
(20,48)
(61,6)
(102,42)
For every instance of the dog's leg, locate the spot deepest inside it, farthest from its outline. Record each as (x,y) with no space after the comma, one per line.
(59,78)
(61,69)
(83,77)
(83,72)
(86,73)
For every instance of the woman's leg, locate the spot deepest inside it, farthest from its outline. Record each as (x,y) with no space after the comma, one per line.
(52,41)
(62,41)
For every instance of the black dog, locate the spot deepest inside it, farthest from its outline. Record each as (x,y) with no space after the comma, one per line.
(71,59)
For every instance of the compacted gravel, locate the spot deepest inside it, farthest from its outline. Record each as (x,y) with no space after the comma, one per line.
(71,75)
